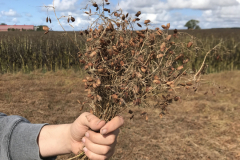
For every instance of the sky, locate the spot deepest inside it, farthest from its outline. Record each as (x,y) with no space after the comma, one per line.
(210,13)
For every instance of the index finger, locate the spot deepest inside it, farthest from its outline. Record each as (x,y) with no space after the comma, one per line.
(112,125)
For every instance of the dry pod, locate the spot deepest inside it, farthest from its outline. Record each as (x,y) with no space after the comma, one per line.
(46,32)
(93,54)
(68,19)
(47,19)
(168,25)
(123,17)
(138,13)
(168,37)
(179,68)
(185,61)
(160,55)
(105,9)
(139,25)
(147,21)
(95,5)
(72,19)
(163,46)
(114,96)
(50,20)
(189,44)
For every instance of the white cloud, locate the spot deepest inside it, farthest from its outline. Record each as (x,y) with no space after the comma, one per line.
(11,13)
(15,20)
(64,5)
(161,11)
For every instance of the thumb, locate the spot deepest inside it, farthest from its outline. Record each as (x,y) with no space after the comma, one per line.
(91,121)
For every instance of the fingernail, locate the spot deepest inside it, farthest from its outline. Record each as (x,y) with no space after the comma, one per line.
(83,140)
(87,134)
(85,149)
(104,131)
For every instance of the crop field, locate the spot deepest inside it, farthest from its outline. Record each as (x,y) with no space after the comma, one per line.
(27,51)
(205,124)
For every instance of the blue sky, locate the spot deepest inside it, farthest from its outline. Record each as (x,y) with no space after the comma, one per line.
(210,13)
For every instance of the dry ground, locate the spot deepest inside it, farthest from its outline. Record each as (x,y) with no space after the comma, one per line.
(201,126)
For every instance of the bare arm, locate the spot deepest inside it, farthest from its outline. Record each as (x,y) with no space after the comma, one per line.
(54,140)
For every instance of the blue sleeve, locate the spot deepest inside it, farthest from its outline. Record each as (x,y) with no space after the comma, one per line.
(18,139)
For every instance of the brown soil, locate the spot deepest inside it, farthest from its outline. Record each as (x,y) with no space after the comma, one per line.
(200,126)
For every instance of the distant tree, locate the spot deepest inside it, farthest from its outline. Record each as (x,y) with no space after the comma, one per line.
(192,24)
(3,24)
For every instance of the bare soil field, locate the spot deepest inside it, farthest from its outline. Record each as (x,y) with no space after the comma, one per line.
(204,124)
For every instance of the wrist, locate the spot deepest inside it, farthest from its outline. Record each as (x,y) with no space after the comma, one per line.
(54,140)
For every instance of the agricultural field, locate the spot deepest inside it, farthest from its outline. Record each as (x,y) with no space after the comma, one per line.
(204,124)
(27,51)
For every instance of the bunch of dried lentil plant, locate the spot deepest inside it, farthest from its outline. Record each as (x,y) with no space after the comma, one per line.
(126,65)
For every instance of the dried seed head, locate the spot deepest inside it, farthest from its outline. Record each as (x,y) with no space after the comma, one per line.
(68,19)
(50,20)
(175,31)
(47,19)
(126,15)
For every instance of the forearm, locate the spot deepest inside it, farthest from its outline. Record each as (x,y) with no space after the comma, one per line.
(54,140)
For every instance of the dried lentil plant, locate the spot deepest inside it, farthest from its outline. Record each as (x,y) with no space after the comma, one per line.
(126,65)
